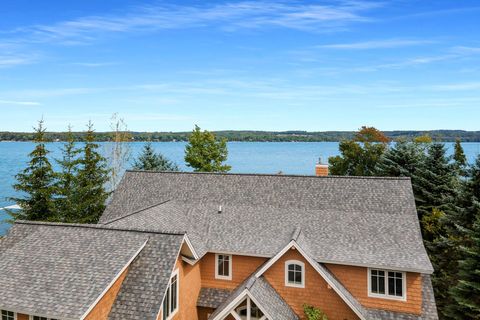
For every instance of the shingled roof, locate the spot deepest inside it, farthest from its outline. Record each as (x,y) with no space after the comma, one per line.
(60,270)
(347,220)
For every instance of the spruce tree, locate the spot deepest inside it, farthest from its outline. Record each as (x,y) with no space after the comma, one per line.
(467,291)
(459,157)
(66,180)
(435,190)
(205,153)
(459,223)
(151,161)
(90,193)
(435,181)
(36,183)
(401,160)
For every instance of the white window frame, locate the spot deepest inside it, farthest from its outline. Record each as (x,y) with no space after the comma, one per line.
(386,295)
(31,317)
(294,285)
(14,313)
(174,312)
(220,277)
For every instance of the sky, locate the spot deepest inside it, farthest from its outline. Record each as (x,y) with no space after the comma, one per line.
(240,65)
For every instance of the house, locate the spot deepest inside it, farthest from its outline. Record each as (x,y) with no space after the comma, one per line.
(226,246)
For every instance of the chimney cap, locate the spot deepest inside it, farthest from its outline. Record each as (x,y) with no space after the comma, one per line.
(219,209)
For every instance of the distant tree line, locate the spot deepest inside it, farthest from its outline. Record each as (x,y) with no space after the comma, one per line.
(262,136)
(447,196)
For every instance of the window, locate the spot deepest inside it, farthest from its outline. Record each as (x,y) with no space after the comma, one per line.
(295,274)
(387,284)
(8,315)
(40,318)
(170,303)
(223,266)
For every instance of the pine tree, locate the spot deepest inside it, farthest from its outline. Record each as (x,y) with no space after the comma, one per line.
(467,292)
(401,160)
(65,186)
(151,161)
(36,182)
(204,153)
(92,176)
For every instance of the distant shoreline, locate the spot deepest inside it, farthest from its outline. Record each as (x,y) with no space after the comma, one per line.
(257,136)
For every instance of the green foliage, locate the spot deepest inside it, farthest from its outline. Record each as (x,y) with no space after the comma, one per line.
(230,135)
(36,183)
(204,153)
(90,193)
(66,181)
(467,291)
(359,157)
(402,160)
(312,313)
(151,161)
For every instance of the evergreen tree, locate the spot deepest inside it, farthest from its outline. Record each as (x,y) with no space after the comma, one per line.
(401,160)
(151,161)
(360,156)
(66,182)
(435,186)
(435,182)
(467,291)
(459,223)
(36,183)
(90,193)
(459,157)
(204,153)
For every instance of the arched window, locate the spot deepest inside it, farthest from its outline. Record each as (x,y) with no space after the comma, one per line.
(295,274)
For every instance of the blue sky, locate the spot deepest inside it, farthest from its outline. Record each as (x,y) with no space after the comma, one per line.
(260,65)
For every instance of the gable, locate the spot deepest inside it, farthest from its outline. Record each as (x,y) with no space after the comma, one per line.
(317,291)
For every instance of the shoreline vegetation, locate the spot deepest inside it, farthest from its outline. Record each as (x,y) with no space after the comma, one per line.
(255,136)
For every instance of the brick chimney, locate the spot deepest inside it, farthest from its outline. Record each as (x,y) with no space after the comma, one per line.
(321,169)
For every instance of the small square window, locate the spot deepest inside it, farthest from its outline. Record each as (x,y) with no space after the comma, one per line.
(387,284)
(8,315)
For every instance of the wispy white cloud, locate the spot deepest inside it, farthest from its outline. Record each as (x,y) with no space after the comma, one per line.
(227,16)
(376,44)
(19,103)
(94,64)
(13,60)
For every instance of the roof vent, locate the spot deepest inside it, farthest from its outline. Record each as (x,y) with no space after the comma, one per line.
(219,209)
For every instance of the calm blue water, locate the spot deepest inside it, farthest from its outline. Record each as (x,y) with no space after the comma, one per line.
(244,157)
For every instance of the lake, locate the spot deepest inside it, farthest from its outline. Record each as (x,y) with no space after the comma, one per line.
(244,157)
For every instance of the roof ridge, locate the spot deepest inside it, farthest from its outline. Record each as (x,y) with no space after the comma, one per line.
(97,226)
(269,175)
(135,212)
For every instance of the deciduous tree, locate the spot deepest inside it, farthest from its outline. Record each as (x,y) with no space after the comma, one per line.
(204,153)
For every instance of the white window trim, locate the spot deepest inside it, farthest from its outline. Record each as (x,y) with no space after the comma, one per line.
(175,273)
(31,317)
(386,295)
(300,263)
(14,313)
(217,276)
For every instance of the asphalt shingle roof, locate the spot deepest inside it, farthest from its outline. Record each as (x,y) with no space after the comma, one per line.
(346,220)
(269,300)
(59,270)
(212,297)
